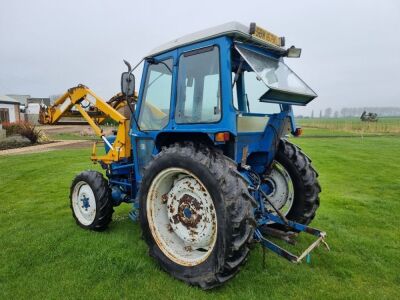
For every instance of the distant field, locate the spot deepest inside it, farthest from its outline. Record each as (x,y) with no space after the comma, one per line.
(349,126)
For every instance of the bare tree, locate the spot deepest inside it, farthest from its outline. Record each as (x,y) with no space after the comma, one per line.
(336,114)
(328,112)
(381,111)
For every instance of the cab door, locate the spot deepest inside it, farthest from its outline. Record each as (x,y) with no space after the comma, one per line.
(154,107)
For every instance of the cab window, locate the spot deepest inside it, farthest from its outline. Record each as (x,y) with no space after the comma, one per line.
(154,112)
(199,92)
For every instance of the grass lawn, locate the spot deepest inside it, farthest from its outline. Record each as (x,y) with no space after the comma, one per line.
(71,136)
(44,254)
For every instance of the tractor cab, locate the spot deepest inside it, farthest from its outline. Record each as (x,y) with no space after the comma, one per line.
(227,86)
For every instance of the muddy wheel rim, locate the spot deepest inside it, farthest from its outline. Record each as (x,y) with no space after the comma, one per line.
(84,203)
(282,194)
(181,216)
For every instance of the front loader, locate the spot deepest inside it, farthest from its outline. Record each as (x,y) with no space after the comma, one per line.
(204,156)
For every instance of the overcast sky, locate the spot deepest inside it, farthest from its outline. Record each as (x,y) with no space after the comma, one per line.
(351,49)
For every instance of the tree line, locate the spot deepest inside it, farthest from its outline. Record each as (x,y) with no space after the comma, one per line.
(356,112)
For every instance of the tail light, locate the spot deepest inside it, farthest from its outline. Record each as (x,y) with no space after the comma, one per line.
(222,136)
(298,131)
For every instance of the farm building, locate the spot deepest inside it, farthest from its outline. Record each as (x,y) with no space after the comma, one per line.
(22,99)
(37,100)
(9,109)
(27,99)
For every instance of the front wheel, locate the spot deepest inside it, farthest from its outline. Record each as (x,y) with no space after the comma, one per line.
(90,201)
(294,184)
(196,214)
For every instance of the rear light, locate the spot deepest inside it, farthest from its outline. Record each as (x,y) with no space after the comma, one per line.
(222,136)
(298,132)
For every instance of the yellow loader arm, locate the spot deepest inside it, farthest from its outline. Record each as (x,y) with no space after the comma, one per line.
(73,98)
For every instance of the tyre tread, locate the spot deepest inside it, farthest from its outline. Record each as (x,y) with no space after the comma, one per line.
(309,177)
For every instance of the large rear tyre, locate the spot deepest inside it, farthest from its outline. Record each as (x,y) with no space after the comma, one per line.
(196,214)
(90,201)
(295,184)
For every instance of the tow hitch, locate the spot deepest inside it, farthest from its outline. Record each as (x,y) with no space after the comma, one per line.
(271,214)
(289,237)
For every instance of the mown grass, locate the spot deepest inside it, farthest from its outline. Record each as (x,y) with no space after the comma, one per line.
(44,254)
(351,126)
(71,136)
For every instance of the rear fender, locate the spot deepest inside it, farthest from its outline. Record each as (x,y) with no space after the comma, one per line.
(260,147)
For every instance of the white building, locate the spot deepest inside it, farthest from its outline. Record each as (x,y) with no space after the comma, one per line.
(9,109)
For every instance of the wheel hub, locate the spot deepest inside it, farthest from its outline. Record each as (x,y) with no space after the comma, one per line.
(190,211)
(83,203)
(281,186)
(187,212)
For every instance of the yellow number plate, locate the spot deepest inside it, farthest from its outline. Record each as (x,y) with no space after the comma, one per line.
(267,36)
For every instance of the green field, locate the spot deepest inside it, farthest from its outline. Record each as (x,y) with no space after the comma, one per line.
(44,254)
(350,127)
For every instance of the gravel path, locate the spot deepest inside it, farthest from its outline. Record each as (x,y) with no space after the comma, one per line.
(48,147)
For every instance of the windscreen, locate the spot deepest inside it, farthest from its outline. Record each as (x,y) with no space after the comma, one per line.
(282,85)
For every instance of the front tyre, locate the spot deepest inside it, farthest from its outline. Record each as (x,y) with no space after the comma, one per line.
(90,201)
(196,214)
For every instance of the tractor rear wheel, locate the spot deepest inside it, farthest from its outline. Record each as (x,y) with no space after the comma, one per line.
(196,214)
(90,201)
(294,182)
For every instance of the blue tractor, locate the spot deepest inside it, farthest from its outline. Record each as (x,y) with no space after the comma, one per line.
(207,164)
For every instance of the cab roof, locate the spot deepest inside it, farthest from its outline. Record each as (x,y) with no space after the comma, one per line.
(235,30)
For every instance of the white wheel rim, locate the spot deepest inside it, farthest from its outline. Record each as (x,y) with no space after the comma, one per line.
(84,203)
(282,194)
(181,216)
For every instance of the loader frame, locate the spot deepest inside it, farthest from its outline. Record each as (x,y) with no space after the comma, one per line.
(120,149)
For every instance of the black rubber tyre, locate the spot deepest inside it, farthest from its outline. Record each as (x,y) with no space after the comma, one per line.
(305,182)
(234,211)
(101,191)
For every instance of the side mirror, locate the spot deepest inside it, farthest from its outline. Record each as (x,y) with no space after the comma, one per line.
(128,84)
